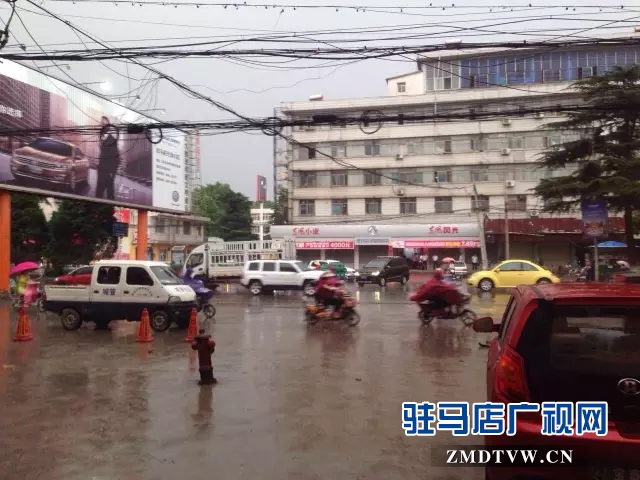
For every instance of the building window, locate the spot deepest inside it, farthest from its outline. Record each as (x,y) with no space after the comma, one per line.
(339,150)
(160,225)
(408,205)
(307,208)
(407,177)
(516,203)
(339,207)
(442,146)
(552,140)
(372,148)
(480,203)
(372,178)
(339,179)
(443,204)
(402,87)
(549,76)
(476,144)
(446,83)
(307,179)
(480,174)
(186,228)
(516,143)
(442,176)
(373,206)
(311,153)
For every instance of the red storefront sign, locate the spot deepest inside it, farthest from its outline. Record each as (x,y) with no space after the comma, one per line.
(435,243)
(326,245)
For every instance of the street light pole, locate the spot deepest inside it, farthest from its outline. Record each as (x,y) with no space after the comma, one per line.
(483,239)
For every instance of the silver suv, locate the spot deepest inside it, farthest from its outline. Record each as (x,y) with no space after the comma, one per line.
(268,275)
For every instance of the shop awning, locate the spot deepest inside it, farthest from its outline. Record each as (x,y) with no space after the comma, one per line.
(326,245)
(425,243)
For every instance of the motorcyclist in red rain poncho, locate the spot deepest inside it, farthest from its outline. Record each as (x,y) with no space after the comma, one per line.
(328,290)
(440,294)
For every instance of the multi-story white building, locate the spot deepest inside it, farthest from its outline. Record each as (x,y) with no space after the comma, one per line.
(417,180)
(261,220)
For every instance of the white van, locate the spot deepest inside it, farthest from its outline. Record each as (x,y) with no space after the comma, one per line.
(121,290)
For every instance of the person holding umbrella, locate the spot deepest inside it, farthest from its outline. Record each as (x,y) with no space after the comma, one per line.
(25,289)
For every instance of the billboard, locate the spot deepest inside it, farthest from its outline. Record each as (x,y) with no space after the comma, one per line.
(104,164)
(261,189)
(595,217)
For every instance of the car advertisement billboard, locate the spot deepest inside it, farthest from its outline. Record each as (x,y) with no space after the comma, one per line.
(102,163)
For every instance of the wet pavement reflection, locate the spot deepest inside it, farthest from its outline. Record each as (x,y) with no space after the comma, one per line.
(293,402)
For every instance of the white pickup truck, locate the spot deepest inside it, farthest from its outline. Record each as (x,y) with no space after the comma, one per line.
(121,290)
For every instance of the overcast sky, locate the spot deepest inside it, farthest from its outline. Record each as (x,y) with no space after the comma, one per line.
(255,90)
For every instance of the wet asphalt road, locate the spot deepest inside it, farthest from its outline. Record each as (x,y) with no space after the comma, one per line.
(293,402)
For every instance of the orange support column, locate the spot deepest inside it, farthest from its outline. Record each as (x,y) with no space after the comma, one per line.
(143,224)
(5,239)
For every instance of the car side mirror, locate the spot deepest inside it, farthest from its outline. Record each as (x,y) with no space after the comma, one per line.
(485,325)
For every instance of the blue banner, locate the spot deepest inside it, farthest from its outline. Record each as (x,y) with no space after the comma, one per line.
(595,217)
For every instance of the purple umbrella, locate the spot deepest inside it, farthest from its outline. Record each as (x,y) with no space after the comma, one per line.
(23,267)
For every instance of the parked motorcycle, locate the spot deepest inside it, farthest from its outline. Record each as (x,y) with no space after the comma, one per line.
(203,295)
(467,316)
(315,312)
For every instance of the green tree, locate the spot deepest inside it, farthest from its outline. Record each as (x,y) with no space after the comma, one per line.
(80,232)
(266,204)
(280,216)
(29,228)
(604,161)
(228,211)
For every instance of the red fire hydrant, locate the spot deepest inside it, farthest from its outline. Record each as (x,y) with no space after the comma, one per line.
(205,346)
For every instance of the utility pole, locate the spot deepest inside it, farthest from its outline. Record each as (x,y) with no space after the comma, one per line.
(507,247)
(275,164)
(483,239)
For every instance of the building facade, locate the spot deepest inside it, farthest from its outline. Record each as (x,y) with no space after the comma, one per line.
(192,170)
(261,220)
(449,172)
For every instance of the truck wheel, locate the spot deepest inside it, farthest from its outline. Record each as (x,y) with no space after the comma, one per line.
(160,321)
(308,288)
(70,319)
(255,287)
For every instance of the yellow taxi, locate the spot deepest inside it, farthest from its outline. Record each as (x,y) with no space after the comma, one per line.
(511,273)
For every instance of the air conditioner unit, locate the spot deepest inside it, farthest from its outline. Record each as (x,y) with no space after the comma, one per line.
(400,192)
(399,156)
(505,151)
(510,183)
(506,121)
(539,115)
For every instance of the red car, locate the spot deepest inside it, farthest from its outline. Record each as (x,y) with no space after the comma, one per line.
(567,343)
(79,276)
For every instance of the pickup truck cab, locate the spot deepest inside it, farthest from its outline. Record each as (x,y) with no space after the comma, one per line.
(121,290)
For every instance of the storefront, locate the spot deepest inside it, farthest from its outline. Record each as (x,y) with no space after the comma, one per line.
(357,244)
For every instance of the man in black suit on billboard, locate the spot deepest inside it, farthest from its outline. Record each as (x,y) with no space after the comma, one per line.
(109,161)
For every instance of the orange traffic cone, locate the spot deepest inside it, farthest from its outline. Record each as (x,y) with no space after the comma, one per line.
(144,330)
(193,326)
(23,330)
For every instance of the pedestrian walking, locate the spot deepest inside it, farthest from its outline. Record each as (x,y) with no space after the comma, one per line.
(474,262)
(436,261)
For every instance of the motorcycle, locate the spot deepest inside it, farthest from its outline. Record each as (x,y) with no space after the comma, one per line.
(203,296)
(316,312)
(467,316)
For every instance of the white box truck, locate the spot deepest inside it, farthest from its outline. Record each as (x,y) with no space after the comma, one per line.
(219,260)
